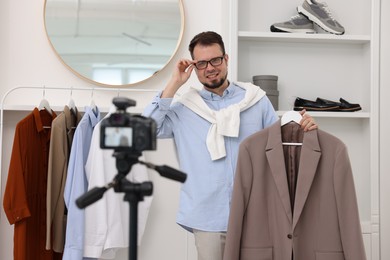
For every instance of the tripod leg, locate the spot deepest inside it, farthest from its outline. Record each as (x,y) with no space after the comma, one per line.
(133,229)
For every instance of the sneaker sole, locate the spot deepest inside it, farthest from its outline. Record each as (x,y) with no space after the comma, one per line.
(317,21)
(289,30)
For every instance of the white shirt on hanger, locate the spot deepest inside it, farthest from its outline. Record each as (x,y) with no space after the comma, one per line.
(107,220)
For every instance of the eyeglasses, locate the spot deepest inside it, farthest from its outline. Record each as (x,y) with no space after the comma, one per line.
(201,65)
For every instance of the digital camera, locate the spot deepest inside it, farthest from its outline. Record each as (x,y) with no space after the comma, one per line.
(123,131)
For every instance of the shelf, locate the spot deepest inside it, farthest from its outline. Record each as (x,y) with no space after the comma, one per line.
(334,114)
(303,38)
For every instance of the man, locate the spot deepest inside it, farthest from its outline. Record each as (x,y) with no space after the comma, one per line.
(207,127)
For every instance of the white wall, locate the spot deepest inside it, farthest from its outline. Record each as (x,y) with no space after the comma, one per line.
(3,44)
(384,131)
(28,60)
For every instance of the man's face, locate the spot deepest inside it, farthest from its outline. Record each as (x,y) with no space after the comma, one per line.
(211,76)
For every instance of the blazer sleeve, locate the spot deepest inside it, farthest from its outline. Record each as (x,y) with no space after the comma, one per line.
(56,165)
(347,208)
(15,199)
(240,197)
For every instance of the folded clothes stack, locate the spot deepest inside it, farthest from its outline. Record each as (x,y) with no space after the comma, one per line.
(325,105)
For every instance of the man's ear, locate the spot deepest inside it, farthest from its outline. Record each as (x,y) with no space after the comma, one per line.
(227,59)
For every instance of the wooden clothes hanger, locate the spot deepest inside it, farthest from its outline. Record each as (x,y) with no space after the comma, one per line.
(291,116)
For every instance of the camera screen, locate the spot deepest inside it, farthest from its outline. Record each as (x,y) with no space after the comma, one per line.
(118,136)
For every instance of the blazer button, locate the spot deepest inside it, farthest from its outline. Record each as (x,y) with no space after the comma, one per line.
(289,236)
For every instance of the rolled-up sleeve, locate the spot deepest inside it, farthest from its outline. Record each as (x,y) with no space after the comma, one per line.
(160,110)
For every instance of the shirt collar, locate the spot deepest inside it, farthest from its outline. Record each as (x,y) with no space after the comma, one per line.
(38,118)
(94,116)
(208,95)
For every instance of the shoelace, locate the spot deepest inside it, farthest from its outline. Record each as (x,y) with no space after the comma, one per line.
(296,17)
(326,9)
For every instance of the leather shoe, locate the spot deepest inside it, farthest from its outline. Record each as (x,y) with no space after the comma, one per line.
(342,106)
(309,105)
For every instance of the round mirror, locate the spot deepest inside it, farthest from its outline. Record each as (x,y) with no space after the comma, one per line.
(114,42)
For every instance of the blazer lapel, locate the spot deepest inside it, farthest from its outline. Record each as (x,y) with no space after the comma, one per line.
(275,157)
(310,156)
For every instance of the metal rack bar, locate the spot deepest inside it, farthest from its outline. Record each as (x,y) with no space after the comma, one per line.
(44,88)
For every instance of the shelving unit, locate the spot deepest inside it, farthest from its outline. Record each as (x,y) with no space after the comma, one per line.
(321,65)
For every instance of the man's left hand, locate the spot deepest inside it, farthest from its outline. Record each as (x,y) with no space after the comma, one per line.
(307,122)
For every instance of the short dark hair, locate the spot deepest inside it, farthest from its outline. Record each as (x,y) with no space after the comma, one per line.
(206,39)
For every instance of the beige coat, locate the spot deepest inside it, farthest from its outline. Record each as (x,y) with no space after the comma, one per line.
(325,224)
(62,131)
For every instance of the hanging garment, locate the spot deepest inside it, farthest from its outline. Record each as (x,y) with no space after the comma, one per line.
(107,220)
(25,191)
(62,131)
(325,223)
(77,184)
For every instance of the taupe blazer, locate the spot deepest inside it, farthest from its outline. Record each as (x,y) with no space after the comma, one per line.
(61,138)
(325,224)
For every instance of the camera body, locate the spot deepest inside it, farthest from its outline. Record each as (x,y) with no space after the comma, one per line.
(123,131)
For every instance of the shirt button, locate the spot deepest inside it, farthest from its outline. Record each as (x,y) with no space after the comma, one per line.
(289,236)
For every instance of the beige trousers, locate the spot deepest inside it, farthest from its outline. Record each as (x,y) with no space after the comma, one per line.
(209,245)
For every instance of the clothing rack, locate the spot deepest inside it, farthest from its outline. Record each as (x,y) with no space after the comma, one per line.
(44,88)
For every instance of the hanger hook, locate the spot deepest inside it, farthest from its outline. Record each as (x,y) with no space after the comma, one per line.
(92,92)
(44,91)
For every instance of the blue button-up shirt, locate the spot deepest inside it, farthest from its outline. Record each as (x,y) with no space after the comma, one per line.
(205,196)
(77,184)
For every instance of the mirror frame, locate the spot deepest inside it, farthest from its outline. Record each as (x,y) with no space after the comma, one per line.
(179,40)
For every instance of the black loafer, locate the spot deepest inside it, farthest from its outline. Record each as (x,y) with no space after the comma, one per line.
(309,105)
(342,106)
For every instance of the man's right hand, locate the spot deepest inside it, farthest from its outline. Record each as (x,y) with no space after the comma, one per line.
(180,75)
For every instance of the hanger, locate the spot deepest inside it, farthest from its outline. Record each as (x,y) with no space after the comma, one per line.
(72,106)
(44,104)
(71,103)
(291,116)
(92,104)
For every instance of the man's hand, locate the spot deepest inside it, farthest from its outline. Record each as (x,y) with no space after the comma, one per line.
(180,75)
(307,122)
(183,71)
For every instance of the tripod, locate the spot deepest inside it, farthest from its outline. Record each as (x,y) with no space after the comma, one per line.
(134,192)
